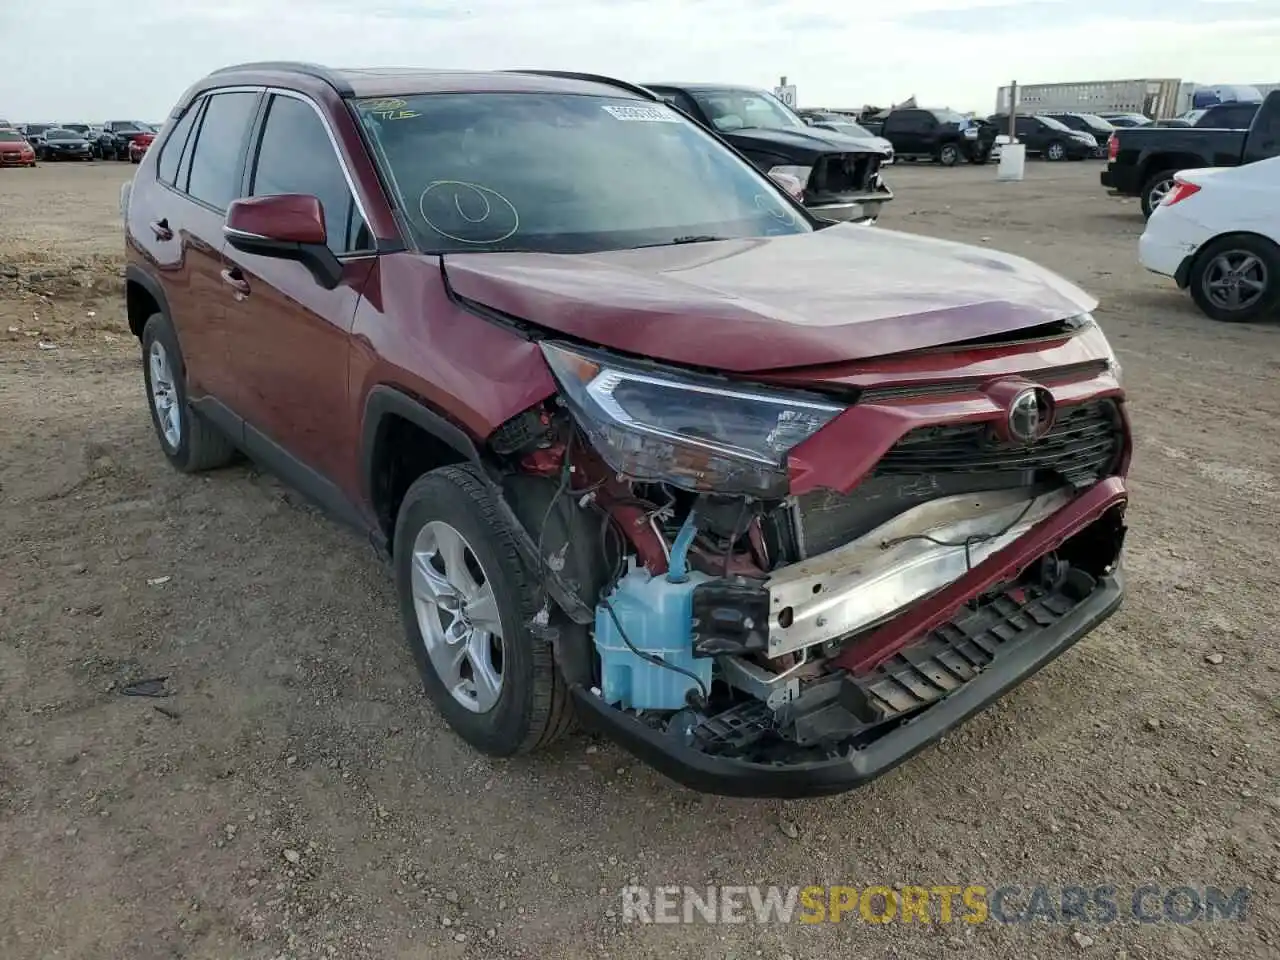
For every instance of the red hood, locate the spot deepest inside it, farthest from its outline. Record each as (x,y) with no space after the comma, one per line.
(14,145)
(848,292)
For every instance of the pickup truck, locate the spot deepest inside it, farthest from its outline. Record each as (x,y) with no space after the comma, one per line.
(1141,161)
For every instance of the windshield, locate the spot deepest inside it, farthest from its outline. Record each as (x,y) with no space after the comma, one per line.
(557,173)
(62,135)
(10,136)
(1096,123)
(77,127)
(1053,123)
(950,116)
(34,128)
(126,126)
(741,109)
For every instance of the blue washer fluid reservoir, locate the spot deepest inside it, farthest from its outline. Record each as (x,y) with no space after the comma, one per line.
(657,615)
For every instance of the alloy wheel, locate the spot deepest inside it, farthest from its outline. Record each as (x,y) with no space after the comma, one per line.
(1157,194)
(1056,151)
(1235,280)
(457,613)
(164,395)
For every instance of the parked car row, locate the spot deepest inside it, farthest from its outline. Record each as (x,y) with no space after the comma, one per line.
(1211,196)
(1216,234)
(941,135)
(1142,162)
(113,140)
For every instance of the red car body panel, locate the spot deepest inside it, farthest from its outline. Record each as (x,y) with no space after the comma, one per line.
(842,453)
(848,292)
(16,153)
(476,372)
(138,146)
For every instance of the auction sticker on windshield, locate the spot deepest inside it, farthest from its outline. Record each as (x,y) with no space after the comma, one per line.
(641,112)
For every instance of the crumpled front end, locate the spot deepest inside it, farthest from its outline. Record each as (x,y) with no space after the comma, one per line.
(793,590)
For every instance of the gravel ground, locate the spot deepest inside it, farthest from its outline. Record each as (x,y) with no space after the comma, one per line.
(295,795)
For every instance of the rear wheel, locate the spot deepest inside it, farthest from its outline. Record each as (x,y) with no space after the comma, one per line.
(1156,189)
(189,441)
(466,599)
(1237,279)
(949,155)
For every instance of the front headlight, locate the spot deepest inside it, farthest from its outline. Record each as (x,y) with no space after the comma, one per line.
(694,432)
(792,179)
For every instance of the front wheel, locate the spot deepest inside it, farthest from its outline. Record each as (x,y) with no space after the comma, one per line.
(1236,279)
(1156,189)
(1056,151)
(467,599)
(949,155)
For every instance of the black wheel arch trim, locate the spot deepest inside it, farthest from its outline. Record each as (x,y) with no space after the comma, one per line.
(383,400)
(135,274)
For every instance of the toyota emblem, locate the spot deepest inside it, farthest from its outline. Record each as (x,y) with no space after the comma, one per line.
(1031,415)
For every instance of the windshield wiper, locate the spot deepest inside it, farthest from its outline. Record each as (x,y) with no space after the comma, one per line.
(696,238)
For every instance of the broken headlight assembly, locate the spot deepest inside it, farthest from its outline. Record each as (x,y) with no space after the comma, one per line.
(658,424)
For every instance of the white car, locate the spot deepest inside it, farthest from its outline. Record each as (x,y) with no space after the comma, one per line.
(1217,234)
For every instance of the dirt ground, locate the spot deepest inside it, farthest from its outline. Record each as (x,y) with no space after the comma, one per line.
(296,796)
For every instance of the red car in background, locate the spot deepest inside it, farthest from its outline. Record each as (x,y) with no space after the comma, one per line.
(15,151)
(138,146)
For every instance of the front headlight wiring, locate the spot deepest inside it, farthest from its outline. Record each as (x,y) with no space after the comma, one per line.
(697,433)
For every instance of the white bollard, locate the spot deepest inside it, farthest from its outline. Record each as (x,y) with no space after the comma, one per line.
(1013,160)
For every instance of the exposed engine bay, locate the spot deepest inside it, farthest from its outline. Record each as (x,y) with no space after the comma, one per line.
(751,623)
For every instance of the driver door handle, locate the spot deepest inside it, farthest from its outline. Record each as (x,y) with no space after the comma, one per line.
(236,281)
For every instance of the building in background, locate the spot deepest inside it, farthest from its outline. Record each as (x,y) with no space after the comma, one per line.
(1157,98)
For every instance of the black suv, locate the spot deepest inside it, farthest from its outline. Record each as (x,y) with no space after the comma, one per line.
(1048,137)
(836,177)
(942,135)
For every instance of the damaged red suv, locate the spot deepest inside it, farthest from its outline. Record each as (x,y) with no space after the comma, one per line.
(773,502)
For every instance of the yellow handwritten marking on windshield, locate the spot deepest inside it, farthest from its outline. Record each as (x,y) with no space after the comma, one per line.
(396,114)
(384,105)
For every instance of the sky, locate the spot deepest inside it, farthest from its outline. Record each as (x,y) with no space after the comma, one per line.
(93,60)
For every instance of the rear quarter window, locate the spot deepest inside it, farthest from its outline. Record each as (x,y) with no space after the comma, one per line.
(171,153)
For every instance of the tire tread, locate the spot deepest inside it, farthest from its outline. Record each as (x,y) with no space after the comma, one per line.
(551,712)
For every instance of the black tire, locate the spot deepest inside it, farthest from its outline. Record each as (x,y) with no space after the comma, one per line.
(949,154)
(1268,273)
(201,446)
(1154,189)
(534,707)
(1056,151)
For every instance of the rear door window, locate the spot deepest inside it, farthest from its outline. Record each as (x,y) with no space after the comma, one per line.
(295,155)
(218,159)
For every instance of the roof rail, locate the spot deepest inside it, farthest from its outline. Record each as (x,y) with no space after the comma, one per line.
(593,78)
(331,77)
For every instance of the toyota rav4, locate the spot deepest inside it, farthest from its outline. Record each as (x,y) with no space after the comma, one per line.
(771,501)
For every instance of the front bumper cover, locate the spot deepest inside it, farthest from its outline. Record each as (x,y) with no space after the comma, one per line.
(738,778)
